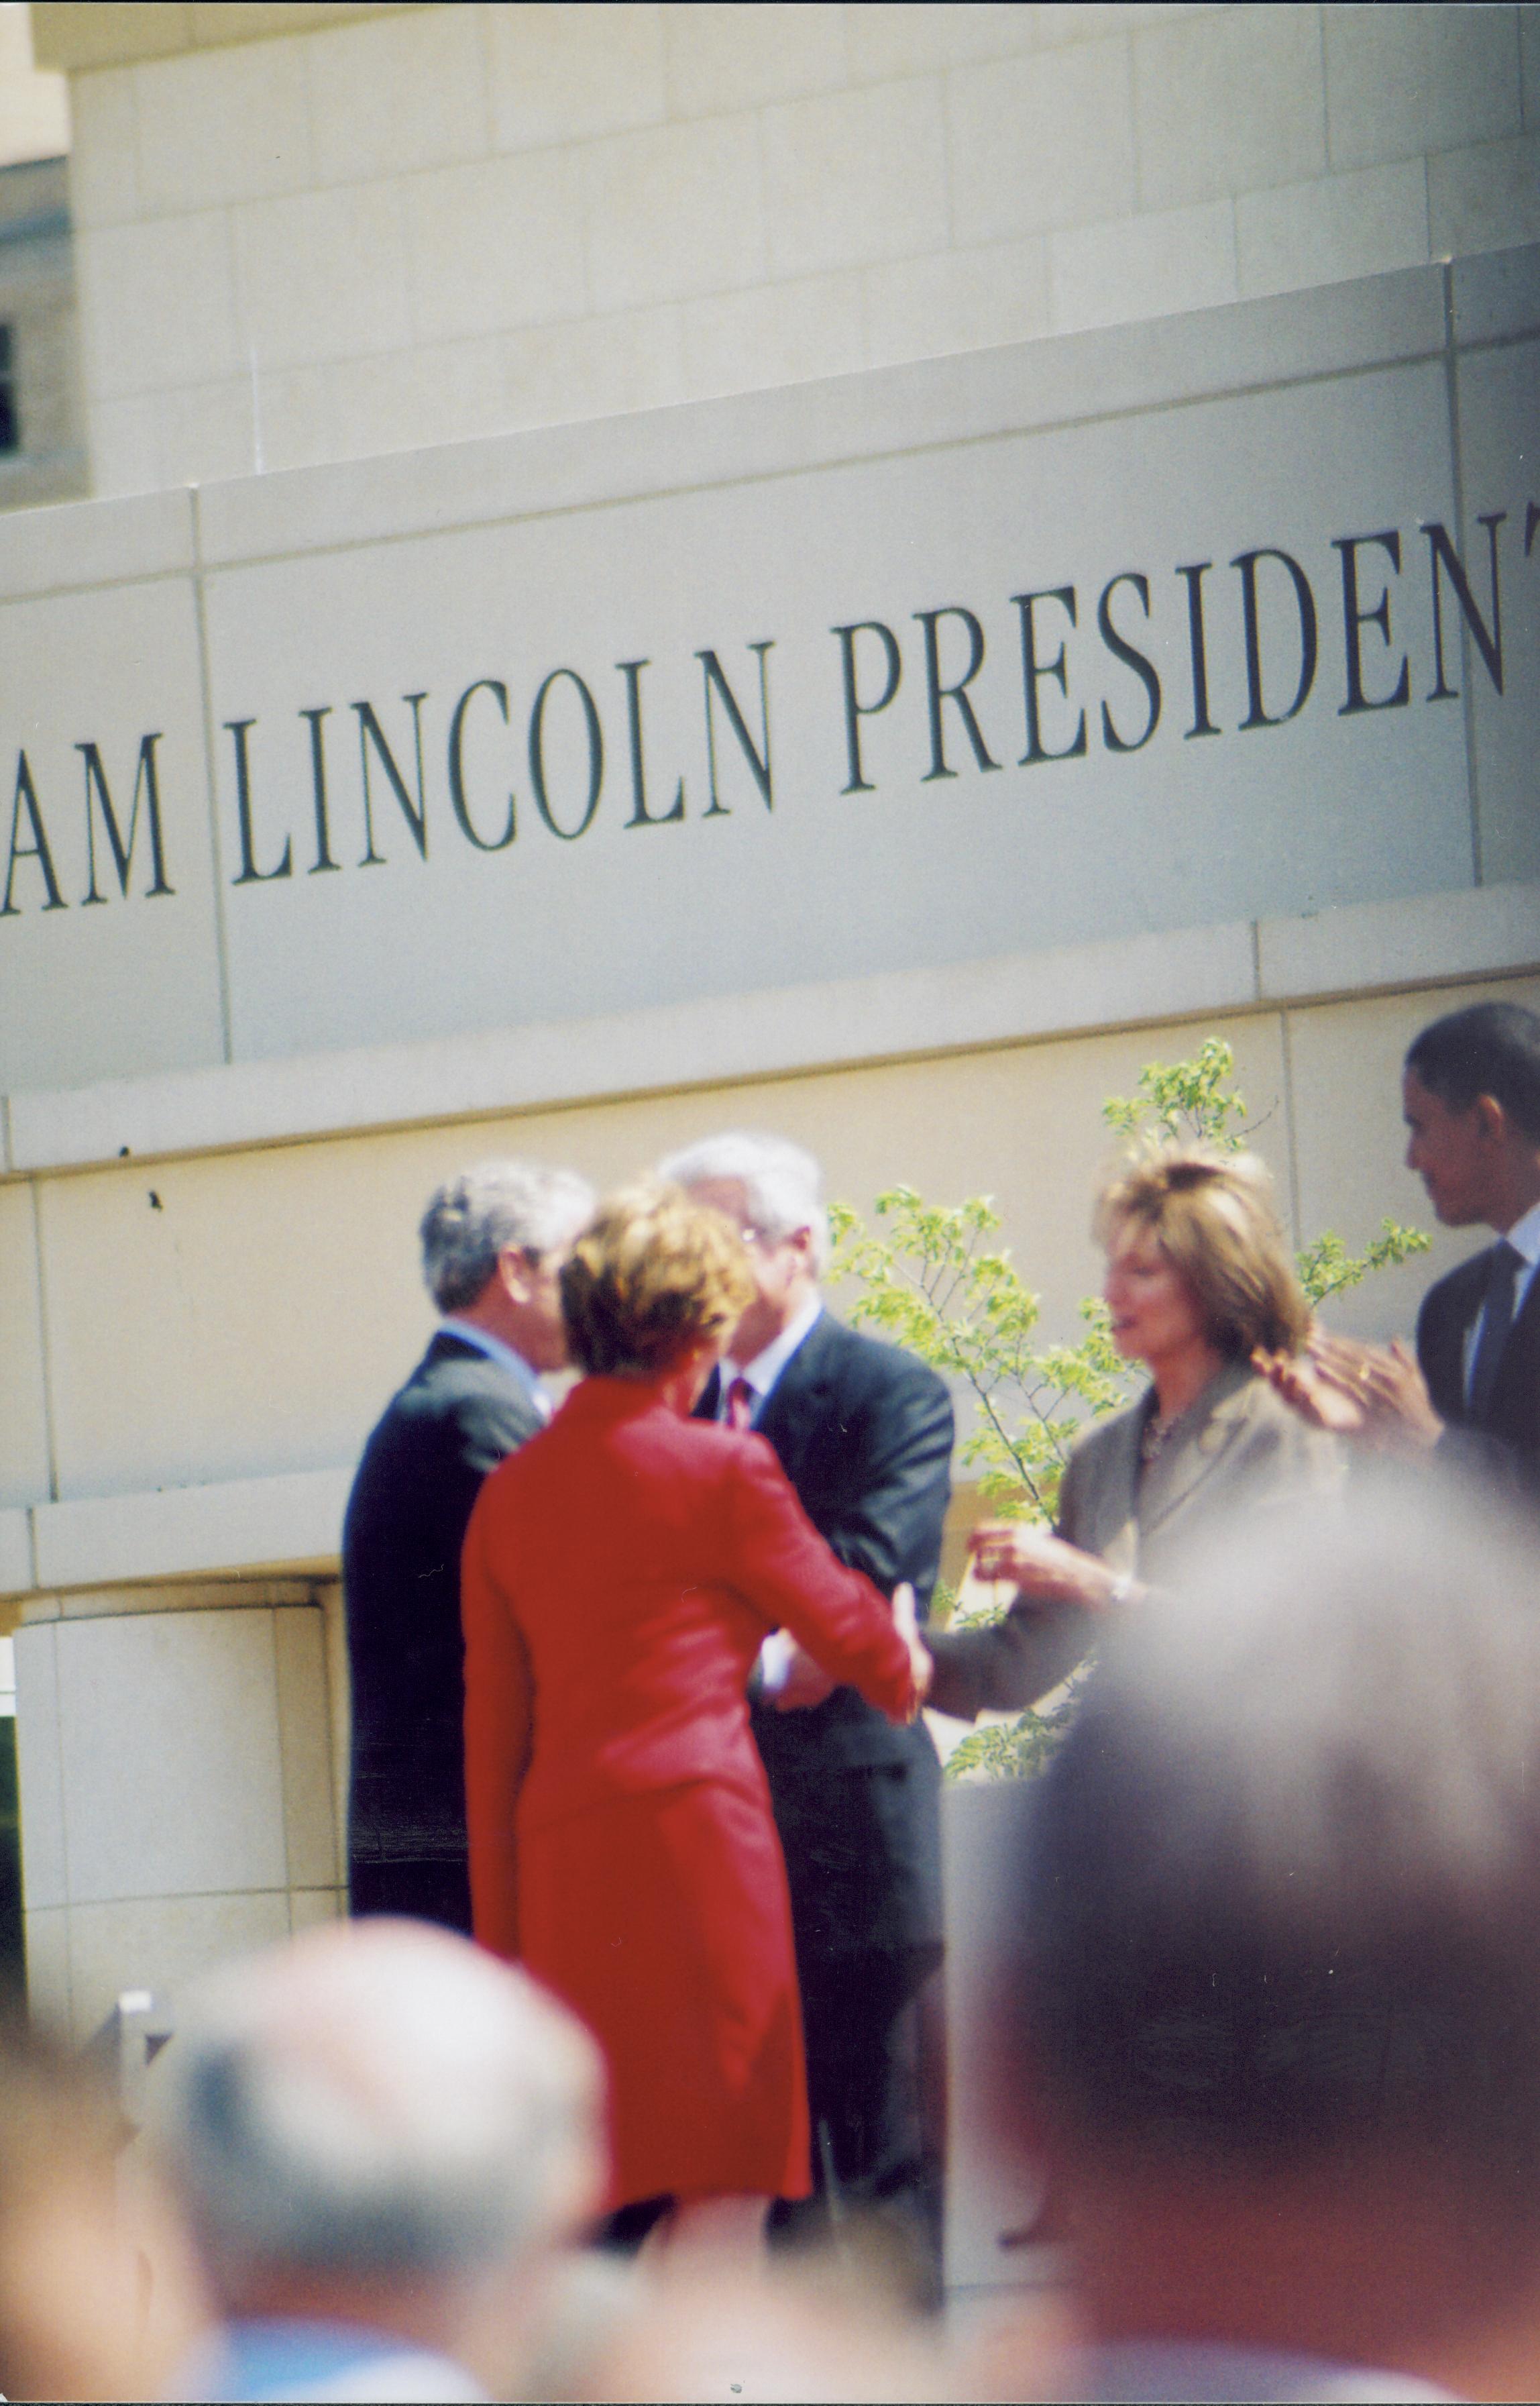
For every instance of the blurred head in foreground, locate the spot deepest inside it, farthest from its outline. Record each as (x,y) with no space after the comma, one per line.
(380,2124)
(1273,1993)
(98,2296)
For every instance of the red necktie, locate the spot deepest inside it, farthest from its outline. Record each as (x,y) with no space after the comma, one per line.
(739,1405)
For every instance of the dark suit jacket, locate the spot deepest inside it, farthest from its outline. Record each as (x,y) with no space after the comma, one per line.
(1505,1441)
(453,1421)
(864,1433)
(1236,1447)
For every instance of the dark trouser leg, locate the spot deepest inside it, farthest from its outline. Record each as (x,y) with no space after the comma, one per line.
(862,1844)
(877,2153)
(425,1892)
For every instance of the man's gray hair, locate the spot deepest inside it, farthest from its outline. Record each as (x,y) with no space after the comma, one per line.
(1279,1902)
(483,1211)
(375,2099)
(784,1185)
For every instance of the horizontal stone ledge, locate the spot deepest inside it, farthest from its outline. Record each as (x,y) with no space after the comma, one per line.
(715,1041)
(916,405)
(1420,939)
(787,1031)
(287,1523)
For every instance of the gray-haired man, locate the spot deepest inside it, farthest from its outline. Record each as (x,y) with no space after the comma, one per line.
(381,2141)
(493,1243)
(864,1433)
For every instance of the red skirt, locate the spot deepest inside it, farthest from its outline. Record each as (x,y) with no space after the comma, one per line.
(663,1920)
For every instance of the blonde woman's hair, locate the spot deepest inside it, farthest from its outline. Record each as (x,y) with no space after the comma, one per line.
(653,1274)
(1212,1215)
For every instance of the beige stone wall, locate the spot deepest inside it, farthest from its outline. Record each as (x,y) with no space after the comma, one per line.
(201,1340)
(34,102)
(441,222)
(178,1755)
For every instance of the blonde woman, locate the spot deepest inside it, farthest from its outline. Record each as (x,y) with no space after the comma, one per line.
(620,1574)
(1198,1278)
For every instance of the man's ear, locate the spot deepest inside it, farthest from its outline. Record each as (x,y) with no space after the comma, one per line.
(1493,1121)
(514,1270)
(801,1241)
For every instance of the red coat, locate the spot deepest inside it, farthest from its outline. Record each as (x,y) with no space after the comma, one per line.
(620,1573)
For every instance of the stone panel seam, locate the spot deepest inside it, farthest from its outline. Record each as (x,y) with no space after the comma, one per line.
(1457,481)
(1290,1121)
(45,1360)
(168,1896)
(132,579)
(206,693)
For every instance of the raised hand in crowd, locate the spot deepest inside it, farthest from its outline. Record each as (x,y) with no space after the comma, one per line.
(1373,1395)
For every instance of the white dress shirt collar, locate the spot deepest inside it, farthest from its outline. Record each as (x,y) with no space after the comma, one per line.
(1524,1237)
(504,1355)
(767,1367)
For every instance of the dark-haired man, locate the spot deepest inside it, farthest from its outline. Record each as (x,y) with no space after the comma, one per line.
(1471,1099)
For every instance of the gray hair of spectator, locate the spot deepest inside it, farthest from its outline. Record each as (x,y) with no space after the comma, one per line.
(782,1184)
(1279,1902)
(379,2099)
(483,1211)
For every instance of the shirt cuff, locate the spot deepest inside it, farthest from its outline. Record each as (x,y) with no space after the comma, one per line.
(775,1658)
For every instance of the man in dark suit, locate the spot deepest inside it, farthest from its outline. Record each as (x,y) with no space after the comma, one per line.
(1471,1099)
(493,1243)
(864,1432)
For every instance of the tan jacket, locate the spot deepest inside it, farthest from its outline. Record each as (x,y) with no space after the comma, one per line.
(1236,1447)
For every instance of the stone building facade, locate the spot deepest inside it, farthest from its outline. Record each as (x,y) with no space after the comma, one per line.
(376,229)
(546,789)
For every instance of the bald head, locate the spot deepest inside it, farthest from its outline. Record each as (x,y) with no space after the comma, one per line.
(377,2099)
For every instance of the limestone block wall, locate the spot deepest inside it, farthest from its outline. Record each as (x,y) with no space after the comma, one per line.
(437,224)
(33,103)
(176,1773)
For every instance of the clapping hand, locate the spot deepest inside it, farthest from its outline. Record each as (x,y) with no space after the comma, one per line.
(1374,1396)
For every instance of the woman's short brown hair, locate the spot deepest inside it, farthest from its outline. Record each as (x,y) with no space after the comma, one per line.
(653,1274)
(1212,1216)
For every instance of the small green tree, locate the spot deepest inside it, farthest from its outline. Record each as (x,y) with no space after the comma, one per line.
(932,1282)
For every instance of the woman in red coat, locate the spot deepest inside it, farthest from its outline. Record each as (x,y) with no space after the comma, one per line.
(620,1574)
